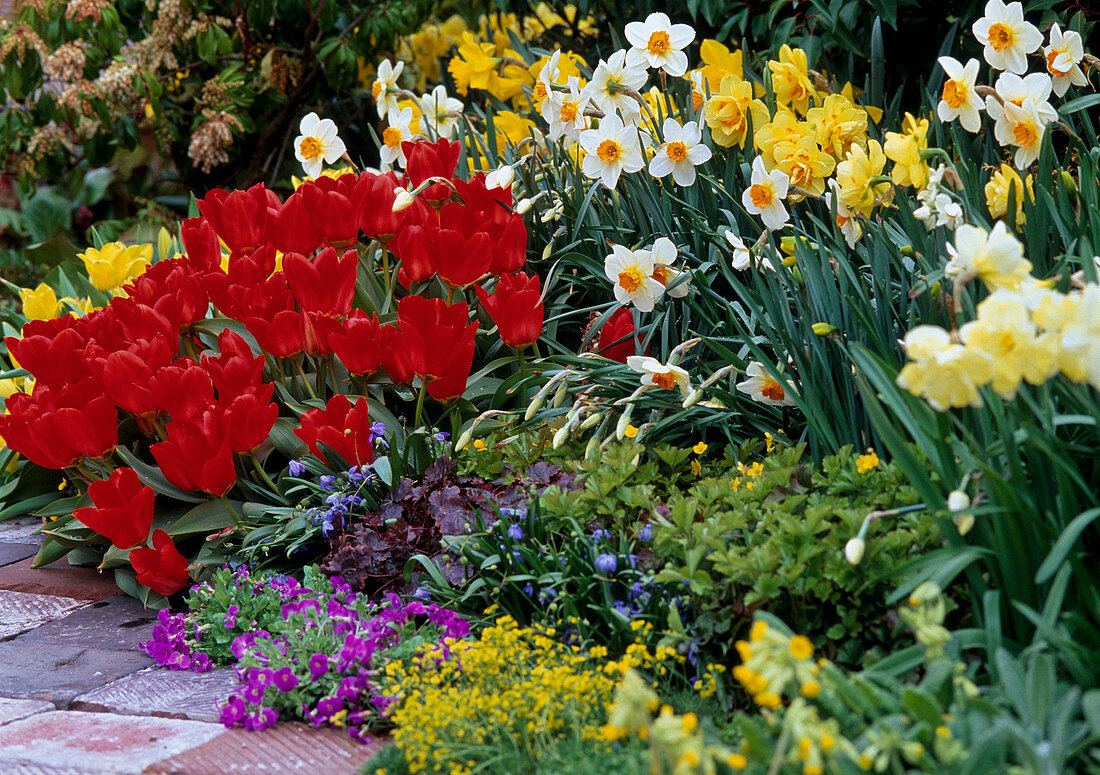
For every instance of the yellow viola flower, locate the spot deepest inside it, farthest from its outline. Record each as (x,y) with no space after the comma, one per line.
(855,187)
(40,303)
(996,193)
(837,123)
(115,264)
(904,149)
(805,163)
(784,126)
(729,111)
(791,79)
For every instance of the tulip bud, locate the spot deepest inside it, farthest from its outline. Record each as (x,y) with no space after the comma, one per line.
(559,394)
(463,440)
(403,200)
(853,550)
(536,404)
(957,500)
(693,398)
(523,205)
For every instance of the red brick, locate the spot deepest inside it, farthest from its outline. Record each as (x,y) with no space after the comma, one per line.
(286,747)
(13,710)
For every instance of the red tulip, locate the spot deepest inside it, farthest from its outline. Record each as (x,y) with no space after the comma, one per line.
(619,326)
(197,455)
(183,390)
(510,249)
(292,229)
(342,426)
(235,371)
(416,247)
(281,336)
(426,160)
(163,569)
(52,350)
(123,510)
(200,244)
(432,341)
(328,203)
(241,218)
(324,284)
(248,421)
(516,307)
(173,289)
(358,345)
(127,374)
(377,218)
(463,250)
(54,427)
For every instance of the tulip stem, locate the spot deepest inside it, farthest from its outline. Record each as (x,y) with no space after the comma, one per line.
(231,510)
(420,402)
(302,374)
(263,474)
(521,362)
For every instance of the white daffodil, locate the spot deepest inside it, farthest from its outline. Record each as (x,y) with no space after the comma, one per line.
(958,98)
(845,219)
(1024,115)
(664,254)
(662,375)
(658,43)
(385,88)
(630,271)
(1007,38)
(611,82)
(765,195)
(765,389)
(440,111)
(398,131)
(996,257)
(680,153)
(318,143)
(502,177)
(1063,56)
(611,149)
(544,84)
(564,111)
(742,259)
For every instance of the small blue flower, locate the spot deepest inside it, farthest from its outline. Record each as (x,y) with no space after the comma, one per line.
(547,595)
(377,430)
(421,593)
(606,563)
(528,589)
(441,437)
(599,534)
(328,482)
(646,533)
(515,532)
(516,512)
(294,468)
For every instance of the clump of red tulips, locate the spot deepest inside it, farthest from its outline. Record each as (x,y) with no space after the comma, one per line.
(266,338)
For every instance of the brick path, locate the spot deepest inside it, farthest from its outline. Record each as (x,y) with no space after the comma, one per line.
(79,697)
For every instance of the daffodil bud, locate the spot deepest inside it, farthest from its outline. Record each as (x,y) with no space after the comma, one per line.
(592,446)
(560,436)
(403,200)
(559,394)
(963,522)
(620,427)
(535,405)
(957,500)
(693,398)
(463,440)
(500,178)
(907,250)
(853,550)
(824,329)
(591,421)
(546,251)
(1068,182)
(523,205)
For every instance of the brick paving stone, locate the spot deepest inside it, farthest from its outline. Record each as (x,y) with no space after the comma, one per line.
(58,674)
(13,710)
(21,611)
(58,578)
(117,622)
(284,748)
(38,769)
(99,742)
(21,530)
(162,692)
(10,552)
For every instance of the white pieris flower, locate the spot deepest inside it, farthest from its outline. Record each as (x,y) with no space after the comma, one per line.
(765,195)
(630,271)
(1006,37)
(564,111)
(611,149)
(318,143)
(440,111)
(385,88)
(1063,57)
(958,98)
(611,80)
(662,375)
(658,43)
(680,153)
(765,389)
(398,131)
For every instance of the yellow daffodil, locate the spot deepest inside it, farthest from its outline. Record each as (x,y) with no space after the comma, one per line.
(115,264)
(944,373)
(729,111)
(791,79)
(1007,39)
(995,257)
(719,62)
(856,188)
(997,190)
(837,123)
(805,163)
(1005,332)
(783,127)
(904,149)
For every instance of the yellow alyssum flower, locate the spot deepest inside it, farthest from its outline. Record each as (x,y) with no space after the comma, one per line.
(729,112)
(904,149)
(854,177)
(40,303)
(115,264)
(837,124)
(996,193)
(791,79)
(805,164)
(783,127)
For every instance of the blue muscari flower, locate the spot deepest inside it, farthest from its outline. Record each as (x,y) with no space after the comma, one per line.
(515,532)
(606,563)
(377,431)
(294,468)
